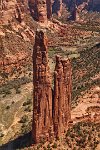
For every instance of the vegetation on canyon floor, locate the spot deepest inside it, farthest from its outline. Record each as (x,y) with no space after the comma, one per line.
(80,41)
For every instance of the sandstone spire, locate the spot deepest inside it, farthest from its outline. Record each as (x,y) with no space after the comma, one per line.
(62,95)
(42,109)
(51,109)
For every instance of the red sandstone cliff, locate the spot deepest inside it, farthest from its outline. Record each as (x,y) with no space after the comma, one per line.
(12,9)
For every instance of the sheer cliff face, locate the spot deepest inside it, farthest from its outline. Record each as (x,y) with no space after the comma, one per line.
(94,5)
(41,10)
(51,109)
(62,95)
(57,7)
(42,109)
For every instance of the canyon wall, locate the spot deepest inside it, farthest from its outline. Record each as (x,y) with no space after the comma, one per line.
(75,7)
(51,108)
(57,7)
(41,10)
(12,9)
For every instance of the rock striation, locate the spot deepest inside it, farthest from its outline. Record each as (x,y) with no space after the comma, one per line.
(42,109)
(62,95)
(51,109)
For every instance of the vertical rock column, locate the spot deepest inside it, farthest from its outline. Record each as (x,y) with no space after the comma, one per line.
(38,9)
(42,103)
(57,7)
(42,11)
(49,8)
(73,10)
(62,96)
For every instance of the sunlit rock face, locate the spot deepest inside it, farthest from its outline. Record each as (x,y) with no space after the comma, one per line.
(42,109)
(51,108)
(12,9)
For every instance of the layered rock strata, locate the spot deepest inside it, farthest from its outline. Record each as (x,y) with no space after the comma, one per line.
(51,109)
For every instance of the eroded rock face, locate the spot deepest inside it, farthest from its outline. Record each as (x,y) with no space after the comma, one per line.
(51,109)
(62,96)
(41,10)
(94,5)
(42,110)
(12,9)
(75,7)
(49,8)
(57,7)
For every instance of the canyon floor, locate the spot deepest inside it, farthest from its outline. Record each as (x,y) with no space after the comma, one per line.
(81,43)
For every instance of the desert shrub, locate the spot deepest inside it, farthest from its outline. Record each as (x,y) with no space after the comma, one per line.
(24,119)
(13,102)
(18,91)
(48,146)
(39,146)
(8,107)
(44,148)
(28,108)
(1,135)
(6,91)
(28,102)
(54,145)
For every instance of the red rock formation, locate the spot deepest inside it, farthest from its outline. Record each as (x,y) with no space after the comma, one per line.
(42,109)
(50,112)
(41,10)
(73,10)
(11,10)
(62,96)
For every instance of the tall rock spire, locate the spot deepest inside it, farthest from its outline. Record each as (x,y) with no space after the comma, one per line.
(62,96)
(51,109)
(42,107)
